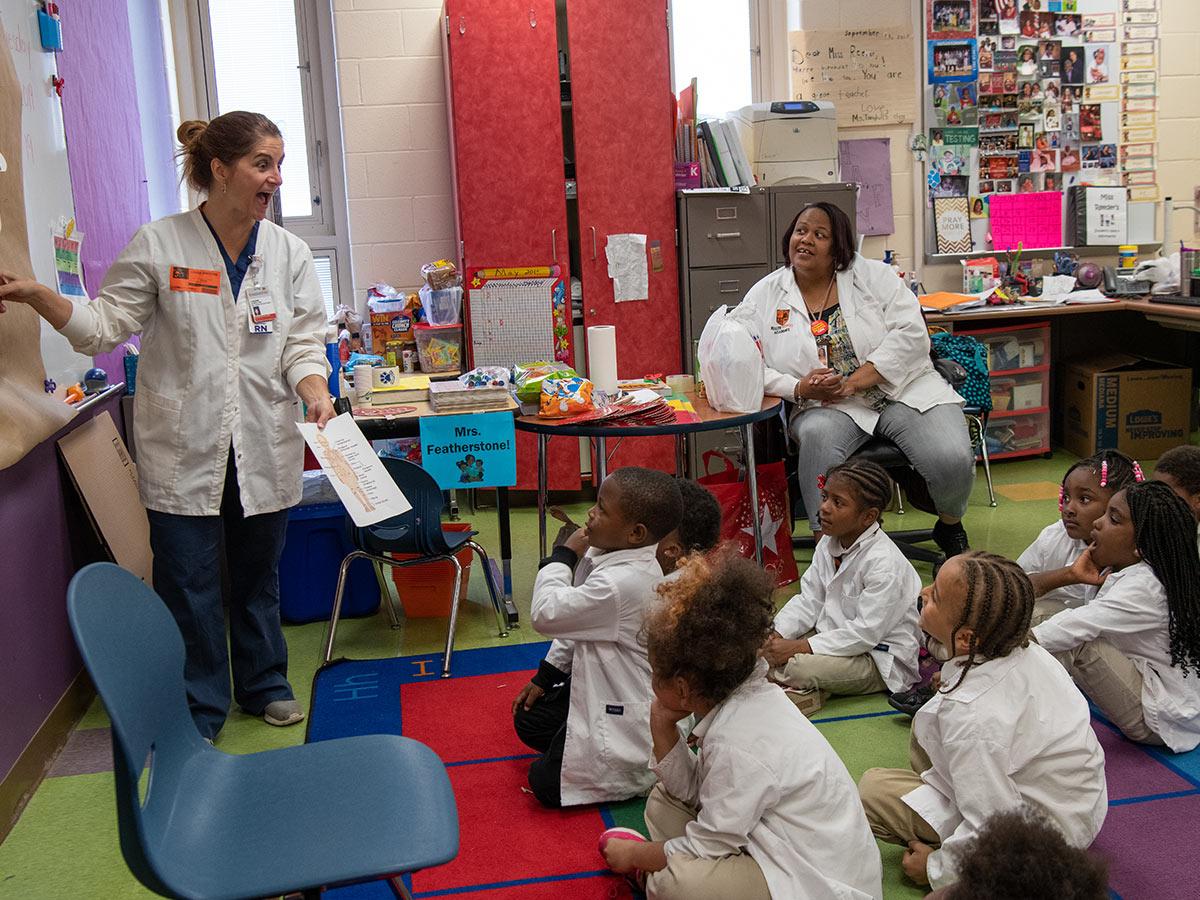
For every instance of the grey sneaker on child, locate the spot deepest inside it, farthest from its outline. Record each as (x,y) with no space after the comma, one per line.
(283,712)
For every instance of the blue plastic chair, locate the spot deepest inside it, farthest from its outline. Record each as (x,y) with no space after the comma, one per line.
(214,825)
(417,531)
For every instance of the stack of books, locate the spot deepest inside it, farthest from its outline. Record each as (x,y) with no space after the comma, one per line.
(451,396)
(407,389)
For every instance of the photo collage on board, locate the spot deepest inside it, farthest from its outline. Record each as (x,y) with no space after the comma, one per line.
(1030,96)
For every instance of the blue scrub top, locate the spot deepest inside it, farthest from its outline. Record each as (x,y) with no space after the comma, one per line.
(236,269)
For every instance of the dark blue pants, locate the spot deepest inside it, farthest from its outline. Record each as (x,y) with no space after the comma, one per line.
(188,552)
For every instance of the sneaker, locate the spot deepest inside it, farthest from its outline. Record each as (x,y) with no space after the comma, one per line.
(951,539)
(808,702)
(636,878)
(908,702)
(282,713)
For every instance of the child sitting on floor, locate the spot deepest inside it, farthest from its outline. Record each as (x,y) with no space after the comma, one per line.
(852,629)
(1005,727)
(1019,853)
(764,808)
(1131,648)
(1179,469)
(587,710)
(1082,498)
(699,529)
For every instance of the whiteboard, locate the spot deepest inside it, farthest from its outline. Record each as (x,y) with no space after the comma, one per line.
(47,179)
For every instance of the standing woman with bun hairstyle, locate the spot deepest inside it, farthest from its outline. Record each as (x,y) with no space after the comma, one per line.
(232,324)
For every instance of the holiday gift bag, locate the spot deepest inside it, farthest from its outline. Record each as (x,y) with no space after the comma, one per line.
(737,523)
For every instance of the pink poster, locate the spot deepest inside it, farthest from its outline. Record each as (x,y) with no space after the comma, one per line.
(1026,220)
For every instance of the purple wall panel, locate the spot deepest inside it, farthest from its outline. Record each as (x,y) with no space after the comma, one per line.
(104,137)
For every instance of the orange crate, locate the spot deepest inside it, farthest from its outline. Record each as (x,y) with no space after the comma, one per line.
(426,590)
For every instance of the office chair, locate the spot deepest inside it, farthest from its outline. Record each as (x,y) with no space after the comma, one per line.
(213,825)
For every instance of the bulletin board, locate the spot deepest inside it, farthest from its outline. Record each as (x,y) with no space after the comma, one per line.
(1033,101)
(512,320)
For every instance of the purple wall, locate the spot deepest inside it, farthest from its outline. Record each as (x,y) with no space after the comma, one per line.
(46,538)
(104,137)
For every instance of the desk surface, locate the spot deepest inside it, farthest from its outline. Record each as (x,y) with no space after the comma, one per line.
(409,424)
(1146,307)
(710,420)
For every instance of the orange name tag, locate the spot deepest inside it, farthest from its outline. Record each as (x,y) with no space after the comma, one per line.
(195,281)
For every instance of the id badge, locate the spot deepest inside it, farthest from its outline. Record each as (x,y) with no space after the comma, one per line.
(261,310)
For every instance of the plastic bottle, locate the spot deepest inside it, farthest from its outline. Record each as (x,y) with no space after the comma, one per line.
(344,346)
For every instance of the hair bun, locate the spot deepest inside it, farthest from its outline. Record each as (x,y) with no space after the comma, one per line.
(190,131)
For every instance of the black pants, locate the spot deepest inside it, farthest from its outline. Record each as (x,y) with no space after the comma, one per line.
(544,729)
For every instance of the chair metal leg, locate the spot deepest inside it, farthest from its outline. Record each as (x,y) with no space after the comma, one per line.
(398,888)
(987,466)
(899,499)
(337,599)
(489,577)
(453,611)
(385,597)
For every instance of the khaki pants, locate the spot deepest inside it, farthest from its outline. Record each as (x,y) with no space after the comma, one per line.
(1045,608)
(891,819)
(688,877)
(1111,680)
(845,675)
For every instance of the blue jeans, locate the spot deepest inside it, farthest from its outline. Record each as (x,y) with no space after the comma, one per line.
(936,442)
(188,556)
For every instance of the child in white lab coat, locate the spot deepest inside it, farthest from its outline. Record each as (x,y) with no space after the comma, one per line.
(763,808)
(587,710)
(699,528)
(852,629)
(1006,727)
(1082,498)
(1132,648)
(1179,469)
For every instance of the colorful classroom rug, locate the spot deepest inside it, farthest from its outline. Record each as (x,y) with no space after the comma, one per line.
(512,849)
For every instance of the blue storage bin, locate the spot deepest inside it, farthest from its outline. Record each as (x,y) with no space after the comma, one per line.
(315,546)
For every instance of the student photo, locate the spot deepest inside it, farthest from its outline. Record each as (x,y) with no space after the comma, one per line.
(1098,66)
(1072,65)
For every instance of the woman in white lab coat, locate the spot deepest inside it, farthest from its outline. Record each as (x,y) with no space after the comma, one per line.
(843,339)
(1134,649)
(232,325)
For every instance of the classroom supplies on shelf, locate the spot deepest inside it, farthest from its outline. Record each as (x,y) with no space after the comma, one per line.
(439,347)
(446,396)
(405,388)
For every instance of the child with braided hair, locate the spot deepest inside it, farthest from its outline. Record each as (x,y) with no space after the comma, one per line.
(1179,469)
(1135,648)
(1082,498)
(852,629)
(1006,727)
(763,808)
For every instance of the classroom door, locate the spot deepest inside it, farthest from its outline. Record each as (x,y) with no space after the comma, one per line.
(506,116)
(624,153)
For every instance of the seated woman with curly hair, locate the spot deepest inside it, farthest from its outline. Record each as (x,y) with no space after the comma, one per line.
(764,808)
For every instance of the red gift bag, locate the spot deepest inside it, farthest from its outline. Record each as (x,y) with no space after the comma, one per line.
(737,514)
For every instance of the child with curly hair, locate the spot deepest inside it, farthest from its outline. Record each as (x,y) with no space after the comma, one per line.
(1005,727)
(1134,646)
(764,807)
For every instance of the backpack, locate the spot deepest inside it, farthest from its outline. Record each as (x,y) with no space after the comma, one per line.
(969,353)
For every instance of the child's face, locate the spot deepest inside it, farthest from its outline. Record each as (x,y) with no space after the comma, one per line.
(672,692)
(1112,535)
(942,606)
(1192,500)
(840,513)
(608,528)
(1084,501)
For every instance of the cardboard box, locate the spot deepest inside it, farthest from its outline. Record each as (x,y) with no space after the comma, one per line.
(1115,400)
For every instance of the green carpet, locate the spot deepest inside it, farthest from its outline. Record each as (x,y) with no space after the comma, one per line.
(65,843)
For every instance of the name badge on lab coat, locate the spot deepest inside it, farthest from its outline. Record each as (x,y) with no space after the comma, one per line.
(261,310)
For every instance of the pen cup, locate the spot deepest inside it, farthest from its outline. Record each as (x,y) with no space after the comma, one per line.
(362,383)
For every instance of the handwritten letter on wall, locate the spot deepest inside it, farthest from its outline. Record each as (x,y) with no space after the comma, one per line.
(866,72)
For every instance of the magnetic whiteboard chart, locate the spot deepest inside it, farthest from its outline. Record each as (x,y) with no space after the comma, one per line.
(46,180)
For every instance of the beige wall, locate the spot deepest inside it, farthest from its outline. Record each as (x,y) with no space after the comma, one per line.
(398,157)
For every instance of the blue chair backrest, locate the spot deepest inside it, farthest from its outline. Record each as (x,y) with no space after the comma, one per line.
(420,529)
(134,652)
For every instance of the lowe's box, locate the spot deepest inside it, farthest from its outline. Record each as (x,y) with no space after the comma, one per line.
(1115,400)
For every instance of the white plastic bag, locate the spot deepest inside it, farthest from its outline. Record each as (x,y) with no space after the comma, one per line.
(731,364)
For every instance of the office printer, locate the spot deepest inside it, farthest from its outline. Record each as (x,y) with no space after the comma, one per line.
(790,141)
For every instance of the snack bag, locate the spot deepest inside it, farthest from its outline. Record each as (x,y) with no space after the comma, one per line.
(440,275)
(528,378)
(563,397)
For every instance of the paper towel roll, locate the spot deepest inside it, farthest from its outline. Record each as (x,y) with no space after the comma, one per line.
(602,357)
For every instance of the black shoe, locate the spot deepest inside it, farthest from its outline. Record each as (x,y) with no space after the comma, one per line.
(908,702)
(951,539)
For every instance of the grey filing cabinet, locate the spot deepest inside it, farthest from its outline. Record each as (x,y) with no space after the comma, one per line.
(728,240)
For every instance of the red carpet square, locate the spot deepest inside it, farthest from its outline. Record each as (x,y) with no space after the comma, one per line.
(506,835)
(596,887)
(464,718)
(1151,849)
(1131,771)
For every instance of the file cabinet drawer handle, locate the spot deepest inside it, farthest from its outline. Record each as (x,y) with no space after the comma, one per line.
(728,287)
(727,212)
(724,235)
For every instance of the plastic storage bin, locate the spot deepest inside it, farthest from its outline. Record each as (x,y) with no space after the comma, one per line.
(439,347)
(426,590)
(442,307)
(315,546)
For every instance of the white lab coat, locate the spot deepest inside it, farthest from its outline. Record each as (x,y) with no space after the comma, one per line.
(1015,731)
(885,325)
(1055,549)
(597,623)
(868,605)
(1130,612)
(766,782)
(203,380)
